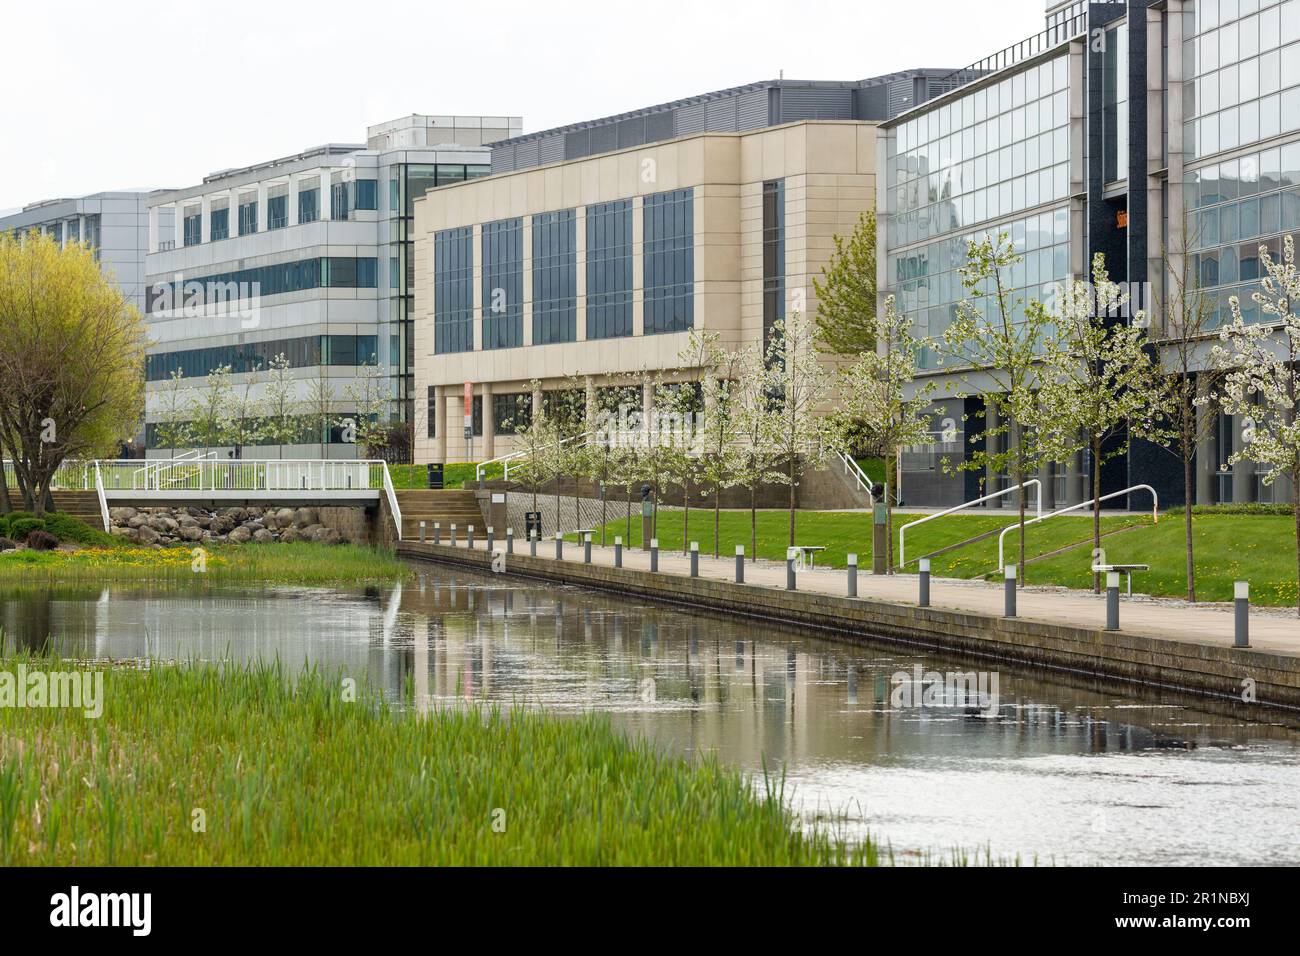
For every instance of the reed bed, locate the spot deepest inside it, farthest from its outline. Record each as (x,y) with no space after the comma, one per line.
(283,770)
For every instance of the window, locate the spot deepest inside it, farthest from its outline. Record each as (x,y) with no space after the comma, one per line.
(511,412)
(301,352)
(339,201)
(193,229)
(503,284)
(453,290)
(277,212)
(431,412)
(773,255)
(555,277)
(609,269)
(367,194)
(308,205)
(669,243)
(277,279)
(248,218)
(219,224)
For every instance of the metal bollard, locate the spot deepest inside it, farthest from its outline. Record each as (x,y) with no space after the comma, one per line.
(789,570)
(510,540)
(1112,600)
(586,548)
(1010,588)
(421,532)
(532,542)
(453,536)
(1241,603)
(924,599)
(559,545)
(618,551)
(695,559)
(470,537)
(740,564)
(852,562)
(437,532)
(491,539)
(654,554)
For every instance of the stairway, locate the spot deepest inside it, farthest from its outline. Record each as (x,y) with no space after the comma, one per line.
(448,507)
(83,505)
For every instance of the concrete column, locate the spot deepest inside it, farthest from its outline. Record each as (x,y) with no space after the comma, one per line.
(647,403)
(580,292)
(1073,482)
(153,229)
(441,424)
(528,285)
(991,421)
(1243,472)
(590,384)
(489,426)
(638,286)
(325,194)
(262,201)
(537,402)
(178,222)
(292,203)
(205,219)
(1047,484)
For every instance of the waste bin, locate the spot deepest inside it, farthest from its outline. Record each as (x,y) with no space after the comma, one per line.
(532,522)
(435,474)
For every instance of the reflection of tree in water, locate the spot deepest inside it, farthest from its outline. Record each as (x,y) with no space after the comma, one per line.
(25,622)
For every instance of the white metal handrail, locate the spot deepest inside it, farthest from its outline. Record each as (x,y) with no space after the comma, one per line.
(851,467)
(103,499)
(391,493)
(1155,512)
(505,460)
(1038,502)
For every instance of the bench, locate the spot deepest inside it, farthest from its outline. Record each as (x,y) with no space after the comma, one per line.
(1124,569)
(808,551)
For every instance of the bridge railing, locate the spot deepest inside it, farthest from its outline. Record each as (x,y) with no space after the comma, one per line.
(242,474)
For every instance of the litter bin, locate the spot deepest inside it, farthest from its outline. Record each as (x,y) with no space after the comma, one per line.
(532,522)
(435,474)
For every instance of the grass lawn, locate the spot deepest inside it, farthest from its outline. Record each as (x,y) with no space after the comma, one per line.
(299,562)
(282,772)
(1259,548)
(455,475)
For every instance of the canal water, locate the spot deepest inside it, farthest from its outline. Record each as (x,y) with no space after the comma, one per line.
(932,755)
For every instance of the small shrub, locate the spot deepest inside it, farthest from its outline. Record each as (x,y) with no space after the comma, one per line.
(7,520)
(67,528)
(6,544)
(1240,508)
(20,528)
(41,540)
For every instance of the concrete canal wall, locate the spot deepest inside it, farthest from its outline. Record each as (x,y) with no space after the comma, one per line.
(1272,679)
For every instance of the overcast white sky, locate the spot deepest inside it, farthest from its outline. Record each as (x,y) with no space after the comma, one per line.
(125,94)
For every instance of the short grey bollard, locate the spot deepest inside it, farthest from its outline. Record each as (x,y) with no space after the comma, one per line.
(421,532)
(852,562)
(470,537)
(437,532)
(491,539)
(532,542)
(924,599)
(654,554)
(1010,589)
(740,564)
(618,551)
(695,559)
(559,545)
(1241,605)
(789,570)
(510,540)
(586,549)
(453,536)
(1112,600)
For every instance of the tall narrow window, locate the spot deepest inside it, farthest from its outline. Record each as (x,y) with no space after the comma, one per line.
(503,284)
(609,269)
(555,277)
(308,205)
(669,253)
(773,255)
(248,217)
(453,290)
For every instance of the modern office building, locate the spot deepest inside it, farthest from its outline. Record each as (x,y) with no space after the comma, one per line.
(309,256)
(1146,131)
(592,250)
(114,224)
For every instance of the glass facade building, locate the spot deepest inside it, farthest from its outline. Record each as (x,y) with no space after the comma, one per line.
(555,277)
(609,269)
(503,284)
(669,261)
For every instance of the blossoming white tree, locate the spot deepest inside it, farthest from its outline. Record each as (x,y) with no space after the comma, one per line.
(1261,380)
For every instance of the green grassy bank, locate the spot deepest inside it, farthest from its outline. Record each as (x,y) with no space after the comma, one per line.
(1229,547)
(286,772)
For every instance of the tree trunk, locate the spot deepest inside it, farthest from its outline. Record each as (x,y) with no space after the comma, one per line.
(6,505)
(628,533)
(1096,510)
(1189,493)
(717,516)
(686,514)
(792,496)
(753,522)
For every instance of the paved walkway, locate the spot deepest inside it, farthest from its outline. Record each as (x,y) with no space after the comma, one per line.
(1273,630)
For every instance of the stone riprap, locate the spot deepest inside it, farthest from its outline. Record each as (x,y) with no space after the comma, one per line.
(163,526)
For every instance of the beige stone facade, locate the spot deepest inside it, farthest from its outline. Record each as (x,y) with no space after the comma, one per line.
(828,171)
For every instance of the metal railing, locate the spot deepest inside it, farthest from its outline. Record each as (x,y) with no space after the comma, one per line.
(1155,512)
(1038,502)
(505,460)
(1025,49)
(391,493)
(103,499)
(853,469)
